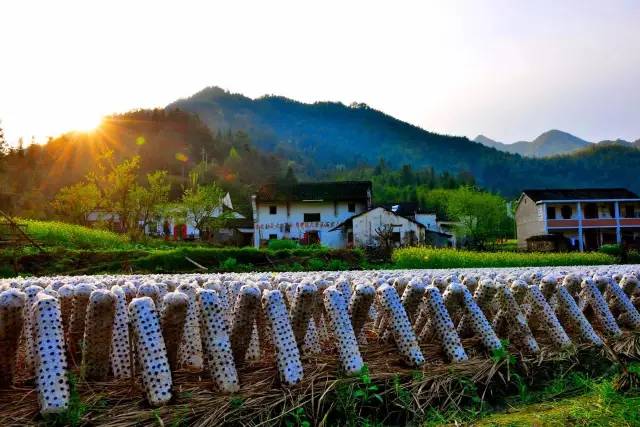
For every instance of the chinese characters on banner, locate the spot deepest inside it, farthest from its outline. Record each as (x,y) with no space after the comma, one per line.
(296,225)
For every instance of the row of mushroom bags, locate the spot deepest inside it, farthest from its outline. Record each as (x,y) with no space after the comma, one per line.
(150,326)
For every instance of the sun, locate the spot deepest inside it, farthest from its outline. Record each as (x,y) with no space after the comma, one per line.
(85,122)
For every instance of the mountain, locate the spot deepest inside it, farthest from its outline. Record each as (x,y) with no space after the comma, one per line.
(175,141)
(488,142)
(550,143)
(247,142)
(324,137)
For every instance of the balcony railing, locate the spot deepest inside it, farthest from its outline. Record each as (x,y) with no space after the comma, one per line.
(593,222)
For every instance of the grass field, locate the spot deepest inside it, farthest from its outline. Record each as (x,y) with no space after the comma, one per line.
(51,233)
(73,249)
(601,405)
(454,258)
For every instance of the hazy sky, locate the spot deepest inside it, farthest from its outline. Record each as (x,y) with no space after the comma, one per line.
(507,69)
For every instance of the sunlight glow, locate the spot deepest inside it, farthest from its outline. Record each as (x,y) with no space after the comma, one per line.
(509,70)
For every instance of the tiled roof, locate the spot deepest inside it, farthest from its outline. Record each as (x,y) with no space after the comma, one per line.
(579,194)
(327,191)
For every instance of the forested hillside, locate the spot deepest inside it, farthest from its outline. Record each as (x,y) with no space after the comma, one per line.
(242,143)
(174,141)
(325,138)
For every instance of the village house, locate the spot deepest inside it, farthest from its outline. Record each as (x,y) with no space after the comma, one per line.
(366,229)
(306,212)
(587,218)
(339,215)
(237,229)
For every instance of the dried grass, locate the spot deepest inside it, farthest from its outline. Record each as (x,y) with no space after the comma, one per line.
(262,401)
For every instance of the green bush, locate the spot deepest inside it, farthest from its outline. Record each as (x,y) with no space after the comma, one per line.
(611,249)
(337,265)
(633,257)
(316,264)
(229,264)
(453,258)
(282,244)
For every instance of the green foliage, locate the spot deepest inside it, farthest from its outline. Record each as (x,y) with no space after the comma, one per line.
(402,394)
(229,264)
(328,136)
(75,202)
(482,216)
(611,249)
(297,418)
(355,395)
(453,258)
(74,236)
(316,264)
(199,202)
(337,265)
(597,405)
(277,244)
(73,415)
(35,173)
(502,354)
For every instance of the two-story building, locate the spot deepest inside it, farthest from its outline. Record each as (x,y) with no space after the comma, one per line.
(588,218)
(307,211)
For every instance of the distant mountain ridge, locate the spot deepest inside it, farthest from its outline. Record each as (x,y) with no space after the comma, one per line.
(551,143)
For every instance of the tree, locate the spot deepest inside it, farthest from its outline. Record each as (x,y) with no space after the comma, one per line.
(4,146)
(118,187)
(202,204)
(147,202)
(75,202)
(134,204)
(4,149)
(290,176)
(384,239)
(482,216)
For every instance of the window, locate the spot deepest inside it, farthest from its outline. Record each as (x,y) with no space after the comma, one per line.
(273,236)
(551,212)
(273,209)
(590,211)
(629,211)
(565,211)
(395,237)
(351,207)
(311,217)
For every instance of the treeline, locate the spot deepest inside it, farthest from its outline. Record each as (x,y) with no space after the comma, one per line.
(405,184)
(482,217)
(172,141)
(326,136)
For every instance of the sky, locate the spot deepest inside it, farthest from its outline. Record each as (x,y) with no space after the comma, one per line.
(503,68)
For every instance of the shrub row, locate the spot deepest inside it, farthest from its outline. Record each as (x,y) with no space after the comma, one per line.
(62,261)
(453,258)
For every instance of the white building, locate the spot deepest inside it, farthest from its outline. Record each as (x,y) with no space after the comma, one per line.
(238,229)
(306,212)
(364,228)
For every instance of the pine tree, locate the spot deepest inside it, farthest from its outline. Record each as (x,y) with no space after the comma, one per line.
(4,146)
(290,176)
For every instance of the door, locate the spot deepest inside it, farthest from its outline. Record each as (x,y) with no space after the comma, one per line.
(591,240)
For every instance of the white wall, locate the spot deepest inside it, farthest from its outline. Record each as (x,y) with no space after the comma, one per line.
(429,221)
(364,226)
(266,224)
